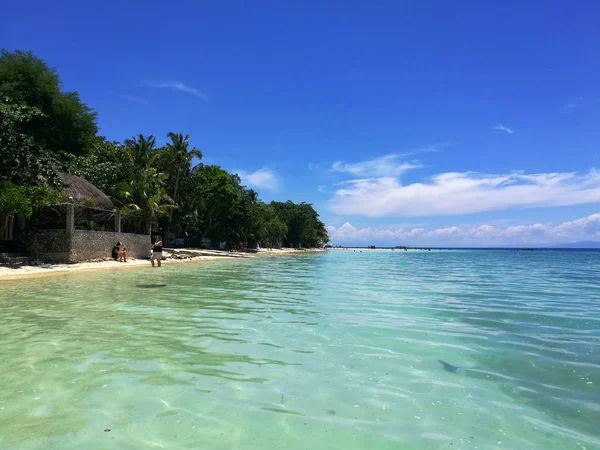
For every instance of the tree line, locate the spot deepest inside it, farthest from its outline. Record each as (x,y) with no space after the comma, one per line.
(166,189)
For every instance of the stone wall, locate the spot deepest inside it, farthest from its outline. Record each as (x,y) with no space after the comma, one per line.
(84,245)
(88,245)
(49,245)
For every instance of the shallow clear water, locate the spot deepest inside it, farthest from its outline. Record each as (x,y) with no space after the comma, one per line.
(335,350)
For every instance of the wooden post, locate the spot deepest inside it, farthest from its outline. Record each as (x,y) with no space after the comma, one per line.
(70,217)
(118,221)
(6,228)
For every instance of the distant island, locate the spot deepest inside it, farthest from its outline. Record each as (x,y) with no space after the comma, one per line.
(573,245)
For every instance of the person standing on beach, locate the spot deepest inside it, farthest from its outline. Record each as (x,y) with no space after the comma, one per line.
(156,251)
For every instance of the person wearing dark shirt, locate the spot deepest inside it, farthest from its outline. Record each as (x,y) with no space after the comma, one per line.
(115,251)
(156,251)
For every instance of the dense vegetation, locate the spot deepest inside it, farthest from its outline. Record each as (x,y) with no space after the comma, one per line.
(165,189)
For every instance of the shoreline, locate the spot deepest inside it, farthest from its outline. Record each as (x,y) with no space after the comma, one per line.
(178,256)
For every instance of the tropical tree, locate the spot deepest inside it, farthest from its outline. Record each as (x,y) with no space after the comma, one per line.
(141,150)
(250,220)
(144,196)
(304,227)
(108,164)
(178,158)
(212,199)
(27,178)
(67,126)
(276,230)
(252,195)
(22,201)
(23,159)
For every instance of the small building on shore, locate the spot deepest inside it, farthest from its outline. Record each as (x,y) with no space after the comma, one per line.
(84,227)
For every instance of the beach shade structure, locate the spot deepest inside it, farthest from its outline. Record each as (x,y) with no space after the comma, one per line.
(80,190)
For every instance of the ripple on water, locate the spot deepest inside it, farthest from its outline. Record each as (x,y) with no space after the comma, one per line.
(335,350)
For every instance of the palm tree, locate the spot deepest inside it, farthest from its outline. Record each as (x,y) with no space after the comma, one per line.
(179,159)
(142,150)
(252,196)
(145,196)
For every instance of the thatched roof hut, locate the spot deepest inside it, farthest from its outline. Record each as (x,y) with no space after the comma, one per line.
(82,191)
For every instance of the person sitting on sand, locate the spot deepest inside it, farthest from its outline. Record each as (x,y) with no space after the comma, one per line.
(115,251)
(118,253)
(156,251)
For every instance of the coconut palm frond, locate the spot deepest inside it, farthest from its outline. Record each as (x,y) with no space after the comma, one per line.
(195,153)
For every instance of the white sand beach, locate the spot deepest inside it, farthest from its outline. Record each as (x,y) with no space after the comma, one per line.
(177,256)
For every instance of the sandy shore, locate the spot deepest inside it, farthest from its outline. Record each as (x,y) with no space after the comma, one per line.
(178,256)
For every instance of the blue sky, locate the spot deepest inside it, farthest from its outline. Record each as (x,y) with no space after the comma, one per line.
(442,123)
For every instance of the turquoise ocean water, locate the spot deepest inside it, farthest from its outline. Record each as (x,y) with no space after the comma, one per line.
(335,350)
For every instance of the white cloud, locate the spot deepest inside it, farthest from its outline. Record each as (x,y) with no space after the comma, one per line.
(464,193)
(141,101)
(503,128)
(348,233)
(435,148)
(176,86)
(386,166)
(444,231)
(589,226)
(484,235)
(262,178)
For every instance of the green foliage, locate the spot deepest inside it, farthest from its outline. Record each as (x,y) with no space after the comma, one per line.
(177,156)
(215,205)
(22,201)
(304,227)
(27,179)
(108,164)
(141,151)
(143,194)
(22,159)
(67,126)
(275,231)
(211,199)
(175,160)
(39,127)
